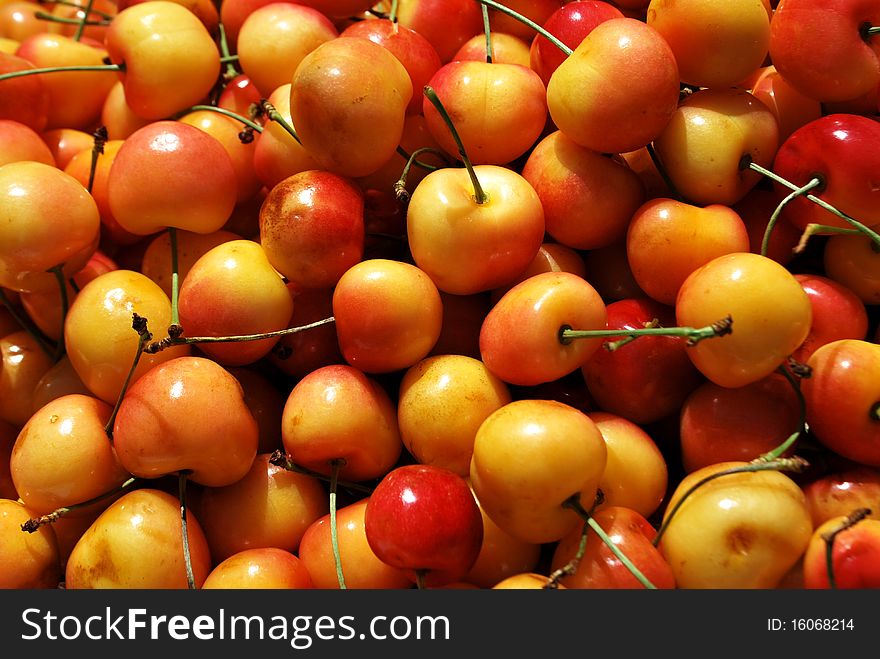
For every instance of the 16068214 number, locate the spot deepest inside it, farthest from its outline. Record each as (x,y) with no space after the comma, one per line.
(821,624)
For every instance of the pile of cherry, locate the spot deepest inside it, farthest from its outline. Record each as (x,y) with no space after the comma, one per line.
(439,294)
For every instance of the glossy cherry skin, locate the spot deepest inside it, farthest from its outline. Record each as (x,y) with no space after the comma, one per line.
(839,150)
(49,219)
(468,247)
(187,414)
(855,557)
(414,51)
(818,46)
(423,518)
(719,424)
(843,399)
(599,568)
(171,60)
(586,102)
(770,311)
(312,227)
(570,23)
(520,340)
(838,313)
(499,109)
(645,379)
(158,180)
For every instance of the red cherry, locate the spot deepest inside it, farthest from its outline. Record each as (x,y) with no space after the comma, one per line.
(425,519)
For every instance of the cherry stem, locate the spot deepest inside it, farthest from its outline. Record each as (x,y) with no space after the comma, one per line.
(392,15)
(229,113)
(58,271)
(51,18)
(575,504)
(187,556)
(169,341)
(281,459)
(611,346)
(61,69)
(479,194)
(874,413)
(174,329)
(487,30)
(274,115)
(694,335)
(400,191)
(658,165)
(747,162)
(869,30)
(82,23)
(25,322)
(35,523)
(420,579)
(231,71)
(100,139)
(139,325)
(794,464)
(571,567)
(336,464)
(814,228)
(829,536)
(802,422)
(527,21)
(774,217)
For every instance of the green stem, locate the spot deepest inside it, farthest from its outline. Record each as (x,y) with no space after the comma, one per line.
(400,185)
(611,346)
(575,504)
(794,464)
(780,450)
(225,57)
(335,465)
(487,30)
(274,115)
(50,518)
(480,195)
(229,113)
(829,536)
(174,329)
(819,202)
(571,567)
(392,15)
(694,335)
(187,556)
(874,414)
(61,69)
(139,325)
(26,324)
(82,25)
(867,30)
(529,22)
(765,242)
(58,271)
(813,228)
(169,341)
